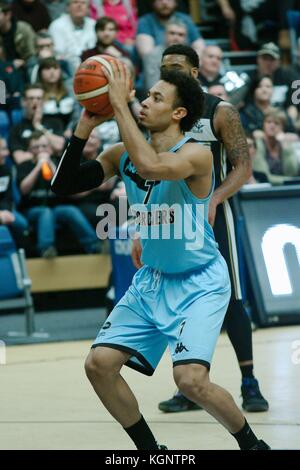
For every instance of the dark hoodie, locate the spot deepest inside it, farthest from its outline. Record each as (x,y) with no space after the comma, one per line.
(35,13)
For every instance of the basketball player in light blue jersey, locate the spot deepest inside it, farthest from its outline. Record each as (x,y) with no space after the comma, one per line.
(180,296)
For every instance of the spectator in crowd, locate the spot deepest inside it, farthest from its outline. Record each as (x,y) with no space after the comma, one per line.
(145,6)
(109,133)
(258,104)
(33,12)
(176,33)
(44,49)
(210,66)
(56,8)
(294,109)
(219,90)
(34,119)
(58,102)
(256,176)
(16,37)
(44,45)
(106,31)
(43,209)
(89,201)
(125,15)
(16,223)
(73,32)
(151,27)
(275,157)
(14,85)
(254,22)
(269,63)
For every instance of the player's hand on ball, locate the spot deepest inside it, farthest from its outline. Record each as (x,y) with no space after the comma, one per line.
(93,120)
(120,84)
(88,121)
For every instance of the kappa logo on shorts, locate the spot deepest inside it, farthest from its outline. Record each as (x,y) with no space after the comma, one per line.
(179,348)
(106,325)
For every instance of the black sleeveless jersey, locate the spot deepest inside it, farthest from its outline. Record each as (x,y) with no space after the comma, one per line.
(204,132)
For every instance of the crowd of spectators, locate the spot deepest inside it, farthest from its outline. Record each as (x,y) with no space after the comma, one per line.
(42,42)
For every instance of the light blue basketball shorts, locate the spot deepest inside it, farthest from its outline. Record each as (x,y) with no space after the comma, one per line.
(182,311)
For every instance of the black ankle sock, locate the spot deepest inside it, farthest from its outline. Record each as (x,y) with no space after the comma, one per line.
(245,437)
(247,371)
(142,436)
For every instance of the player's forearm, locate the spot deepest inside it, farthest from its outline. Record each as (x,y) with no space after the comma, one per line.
(71,177)
(142,155)
(228,123)
(83,131)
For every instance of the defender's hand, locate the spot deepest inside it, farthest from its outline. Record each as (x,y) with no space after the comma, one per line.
(212,210)
(136,253)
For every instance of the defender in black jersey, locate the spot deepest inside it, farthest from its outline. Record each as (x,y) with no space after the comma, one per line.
(220,129)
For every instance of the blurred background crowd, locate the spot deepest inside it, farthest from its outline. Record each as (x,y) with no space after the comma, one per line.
(249,55)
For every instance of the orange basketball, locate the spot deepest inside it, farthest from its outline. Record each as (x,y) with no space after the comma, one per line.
(91,86)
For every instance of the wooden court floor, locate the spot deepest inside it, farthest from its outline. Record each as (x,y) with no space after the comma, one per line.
(47,403)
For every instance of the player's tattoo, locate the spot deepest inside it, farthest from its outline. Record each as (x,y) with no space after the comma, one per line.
(232,134)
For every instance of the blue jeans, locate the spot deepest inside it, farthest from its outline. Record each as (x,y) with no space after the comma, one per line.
(46,220)
(19,229)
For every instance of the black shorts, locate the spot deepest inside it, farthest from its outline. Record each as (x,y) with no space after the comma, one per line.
(224,230)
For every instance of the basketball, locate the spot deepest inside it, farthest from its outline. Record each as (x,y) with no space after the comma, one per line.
(91,85)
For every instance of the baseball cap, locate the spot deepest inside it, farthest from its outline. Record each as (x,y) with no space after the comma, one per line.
(270,49)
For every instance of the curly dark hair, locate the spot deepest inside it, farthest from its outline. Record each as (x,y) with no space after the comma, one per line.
(189,95)
(182,49)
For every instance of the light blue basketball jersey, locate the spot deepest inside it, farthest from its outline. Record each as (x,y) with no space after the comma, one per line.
(173,223)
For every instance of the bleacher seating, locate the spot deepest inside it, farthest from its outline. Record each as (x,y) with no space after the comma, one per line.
(240,61)
(14,281)
(208,11)
(4,125)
